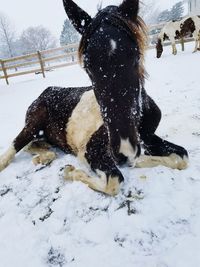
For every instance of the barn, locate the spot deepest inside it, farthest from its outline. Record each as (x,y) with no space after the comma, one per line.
(194,7)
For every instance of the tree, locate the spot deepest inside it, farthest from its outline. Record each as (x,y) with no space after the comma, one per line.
(164,16)
(177,11)
(37,38)
(7,37)
(149,12)
(69,35)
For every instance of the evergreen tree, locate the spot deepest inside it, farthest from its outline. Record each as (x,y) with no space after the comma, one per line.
(177,11)
(69,35)
(164,16)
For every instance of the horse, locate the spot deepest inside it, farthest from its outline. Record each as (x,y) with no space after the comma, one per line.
(178,30)
(171,31)
(104,125)
(192,26)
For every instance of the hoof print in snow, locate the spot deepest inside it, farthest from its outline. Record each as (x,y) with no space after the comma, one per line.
(127,204)
(196,134)
(119,240)
(5,191)
(46,216)
(55,258)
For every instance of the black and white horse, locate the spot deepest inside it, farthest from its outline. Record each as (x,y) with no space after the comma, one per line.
(178,30)
(171,32)
(192,26)
(106,124)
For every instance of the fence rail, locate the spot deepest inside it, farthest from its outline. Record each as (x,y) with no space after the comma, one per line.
(38,62)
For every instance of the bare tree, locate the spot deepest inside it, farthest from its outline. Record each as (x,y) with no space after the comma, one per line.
(7,37)
(37,38)
(149,11)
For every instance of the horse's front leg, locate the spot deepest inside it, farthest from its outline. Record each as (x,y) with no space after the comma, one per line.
(174,50)
(182,44)
(199,41)
(161,152)
(196,36)
(97,155)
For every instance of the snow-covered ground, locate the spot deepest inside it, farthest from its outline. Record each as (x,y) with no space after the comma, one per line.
(154,221)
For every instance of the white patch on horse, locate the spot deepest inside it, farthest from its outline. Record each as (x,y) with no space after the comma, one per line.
(113,45)
(84,122)
(170,30)
(173,161)
(127,150)
(7,157)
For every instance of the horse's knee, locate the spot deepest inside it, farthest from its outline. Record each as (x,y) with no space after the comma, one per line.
(41,152)
(44,158)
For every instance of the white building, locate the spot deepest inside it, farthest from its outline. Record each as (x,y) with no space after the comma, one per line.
(194,7)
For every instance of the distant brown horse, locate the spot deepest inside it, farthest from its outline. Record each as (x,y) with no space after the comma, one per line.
(106,124)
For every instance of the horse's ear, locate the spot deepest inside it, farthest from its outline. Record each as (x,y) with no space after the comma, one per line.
(129,9)
(79,18)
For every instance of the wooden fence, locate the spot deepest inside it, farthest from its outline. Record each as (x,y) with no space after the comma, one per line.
(46,60)
(38,62)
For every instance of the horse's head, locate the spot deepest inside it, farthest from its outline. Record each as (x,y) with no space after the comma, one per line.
(159,48)
(187,27)
(81,20)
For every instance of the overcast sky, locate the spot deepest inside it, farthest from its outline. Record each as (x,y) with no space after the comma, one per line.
(50,13)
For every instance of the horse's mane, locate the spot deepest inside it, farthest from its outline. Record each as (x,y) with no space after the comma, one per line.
(136,30)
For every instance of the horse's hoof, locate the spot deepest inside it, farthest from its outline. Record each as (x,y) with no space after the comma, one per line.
(44,158)
(68,169)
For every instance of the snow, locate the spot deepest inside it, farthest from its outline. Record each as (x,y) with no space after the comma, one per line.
(154,221)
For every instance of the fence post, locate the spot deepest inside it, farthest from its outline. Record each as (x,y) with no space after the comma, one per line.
(41,63)
(182,44)
(4,71)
